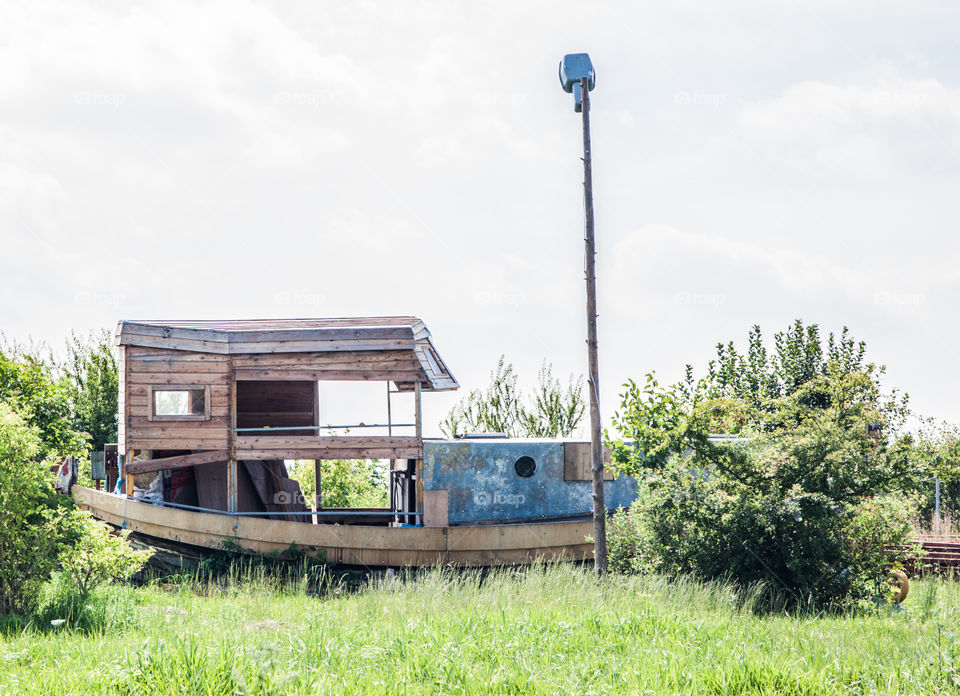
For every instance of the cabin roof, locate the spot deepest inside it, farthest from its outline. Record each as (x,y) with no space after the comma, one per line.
(255,336)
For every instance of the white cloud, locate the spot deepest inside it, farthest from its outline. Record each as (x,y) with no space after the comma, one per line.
(868,131)
(372,157)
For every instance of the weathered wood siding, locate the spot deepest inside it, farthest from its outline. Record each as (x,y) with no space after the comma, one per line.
(144,367)
(264,400)
(361,365)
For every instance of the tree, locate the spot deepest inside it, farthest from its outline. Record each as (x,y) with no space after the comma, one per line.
(937,450)
(344,482)
(43,399)
(757,375)
(805,499)
(551,410)
(93,383)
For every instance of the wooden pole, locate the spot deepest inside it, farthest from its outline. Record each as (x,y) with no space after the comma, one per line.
(593,382)
(419,464)
(232,496)
(127,461)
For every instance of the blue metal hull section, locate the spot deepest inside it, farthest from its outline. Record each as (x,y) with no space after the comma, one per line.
(483,486)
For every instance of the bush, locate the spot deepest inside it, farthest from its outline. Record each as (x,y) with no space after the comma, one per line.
(32,534)
(99,555)
(803,501)
(41,531)
(806,551)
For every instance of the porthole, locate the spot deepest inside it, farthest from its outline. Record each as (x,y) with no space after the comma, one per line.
(525,466)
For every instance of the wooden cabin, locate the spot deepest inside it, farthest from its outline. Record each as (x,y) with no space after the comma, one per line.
(224,403)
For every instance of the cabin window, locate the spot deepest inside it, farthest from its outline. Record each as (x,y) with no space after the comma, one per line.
(173,402)
(525,466)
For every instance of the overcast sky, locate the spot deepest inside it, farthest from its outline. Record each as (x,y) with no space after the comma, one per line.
(753,163)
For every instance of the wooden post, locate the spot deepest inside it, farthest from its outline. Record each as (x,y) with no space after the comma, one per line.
(389,413)
(232,462)
(419,465)
(127,461)
(316,486)
(593,381)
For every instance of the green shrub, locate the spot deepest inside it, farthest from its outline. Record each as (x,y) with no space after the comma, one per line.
(32,535)
(804,502)
(98,555)
(805,552)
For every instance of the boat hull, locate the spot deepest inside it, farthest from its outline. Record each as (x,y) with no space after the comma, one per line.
(486,545)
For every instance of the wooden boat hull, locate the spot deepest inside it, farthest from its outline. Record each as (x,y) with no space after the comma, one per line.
(487,545)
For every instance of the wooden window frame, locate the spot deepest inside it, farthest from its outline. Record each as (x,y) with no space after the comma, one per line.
(151,401)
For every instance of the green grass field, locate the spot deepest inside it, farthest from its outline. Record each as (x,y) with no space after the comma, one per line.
(543,630)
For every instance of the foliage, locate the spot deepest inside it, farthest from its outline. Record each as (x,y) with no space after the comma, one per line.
(344,482)
(537,630)
(551,410)
(92,376)
(99,555)
(554,410)
(29,384)
(937,449)
(32,535)
(756,375)
(797,500)
(41,531)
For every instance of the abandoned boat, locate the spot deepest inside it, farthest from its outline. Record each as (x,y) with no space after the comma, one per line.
(209,411)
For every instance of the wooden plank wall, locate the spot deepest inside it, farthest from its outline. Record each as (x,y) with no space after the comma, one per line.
(367,365)
(156,366)
(578,462)
(145,366)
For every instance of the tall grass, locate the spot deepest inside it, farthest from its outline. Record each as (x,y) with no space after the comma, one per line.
(544,629)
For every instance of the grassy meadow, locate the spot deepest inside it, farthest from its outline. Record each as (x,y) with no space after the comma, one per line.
(542,630)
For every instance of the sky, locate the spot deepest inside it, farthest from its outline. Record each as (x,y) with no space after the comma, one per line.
(754,163)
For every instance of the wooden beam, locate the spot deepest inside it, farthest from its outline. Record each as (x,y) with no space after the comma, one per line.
(232,492)
(333,453)
(342,375)
(182,460)
(248,442)
(128,477)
